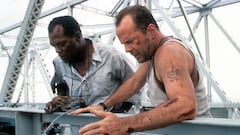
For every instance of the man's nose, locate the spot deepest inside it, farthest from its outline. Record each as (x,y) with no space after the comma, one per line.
(127,48)
(57,49)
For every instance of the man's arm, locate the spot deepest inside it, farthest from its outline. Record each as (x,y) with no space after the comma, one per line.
(129,87)
(173,66)
(58,84)
(173,69)
(126,90)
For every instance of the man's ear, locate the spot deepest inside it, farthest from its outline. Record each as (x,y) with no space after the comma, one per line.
(78,36)
(151,29)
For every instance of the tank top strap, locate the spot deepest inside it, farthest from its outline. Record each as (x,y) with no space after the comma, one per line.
(165,39)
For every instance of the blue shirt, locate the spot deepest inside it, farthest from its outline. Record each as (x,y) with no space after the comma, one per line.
(108,70)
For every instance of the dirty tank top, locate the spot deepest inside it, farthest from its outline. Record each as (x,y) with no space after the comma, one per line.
(158,95)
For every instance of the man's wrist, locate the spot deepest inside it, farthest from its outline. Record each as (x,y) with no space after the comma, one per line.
(104,106)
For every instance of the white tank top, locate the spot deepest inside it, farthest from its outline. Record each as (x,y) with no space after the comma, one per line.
(158,96)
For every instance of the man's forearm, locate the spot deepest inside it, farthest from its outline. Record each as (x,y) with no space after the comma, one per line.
(129,87)
(122,93)
(170,112)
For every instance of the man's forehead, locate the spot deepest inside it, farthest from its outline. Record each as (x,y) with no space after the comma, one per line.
(125,28)
(127,21)
(57,34)
(126,24)
(58,29)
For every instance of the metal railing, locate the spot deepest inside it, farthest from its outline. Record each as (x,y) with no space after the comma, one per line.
(28,121)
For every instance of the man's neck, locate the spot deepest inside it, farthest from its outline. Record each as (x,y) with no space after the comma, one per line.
(83,66)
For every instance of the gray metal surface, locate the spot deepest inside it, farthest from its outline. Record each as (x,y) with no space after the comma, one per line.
(29,123)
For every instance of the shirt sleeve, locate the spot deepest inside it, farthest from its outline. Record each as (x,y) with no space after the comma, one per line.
(58,84)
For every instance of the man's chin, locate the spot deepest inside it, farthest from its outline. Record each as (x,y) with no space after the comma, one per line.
(141,60)
(65,60)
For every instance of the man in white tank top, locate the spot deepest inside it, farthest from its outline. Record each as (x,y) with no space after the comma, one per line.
(175,84)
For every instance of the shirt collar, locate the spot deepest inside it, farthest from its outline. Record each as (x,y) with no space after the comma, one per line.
(96,56)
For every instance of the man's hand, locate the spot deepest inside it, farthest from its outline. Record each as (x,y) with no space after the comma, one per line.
(109,125)
(64,103)
(87,109)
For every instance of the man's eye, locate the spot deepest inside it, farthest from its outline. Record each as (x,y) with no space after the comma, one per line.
(128,41)
(60,45)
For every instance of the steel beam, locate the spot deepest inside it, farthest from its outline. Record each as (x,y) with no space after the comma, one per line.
(20,51)
(28,122)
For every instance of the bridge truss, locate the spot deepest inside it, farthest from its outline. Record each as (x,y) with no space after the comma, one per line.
(31,45)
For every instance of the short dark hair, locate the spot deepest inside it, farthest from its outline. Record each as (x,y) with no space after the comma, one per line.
(141,16)
(69,24)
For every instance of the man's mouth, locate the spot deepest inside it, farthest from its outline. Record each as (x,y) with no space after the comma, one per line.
(63,58)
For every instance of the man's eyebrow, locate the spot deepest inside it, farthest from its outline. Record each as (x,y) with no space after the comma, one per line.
(128,40)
